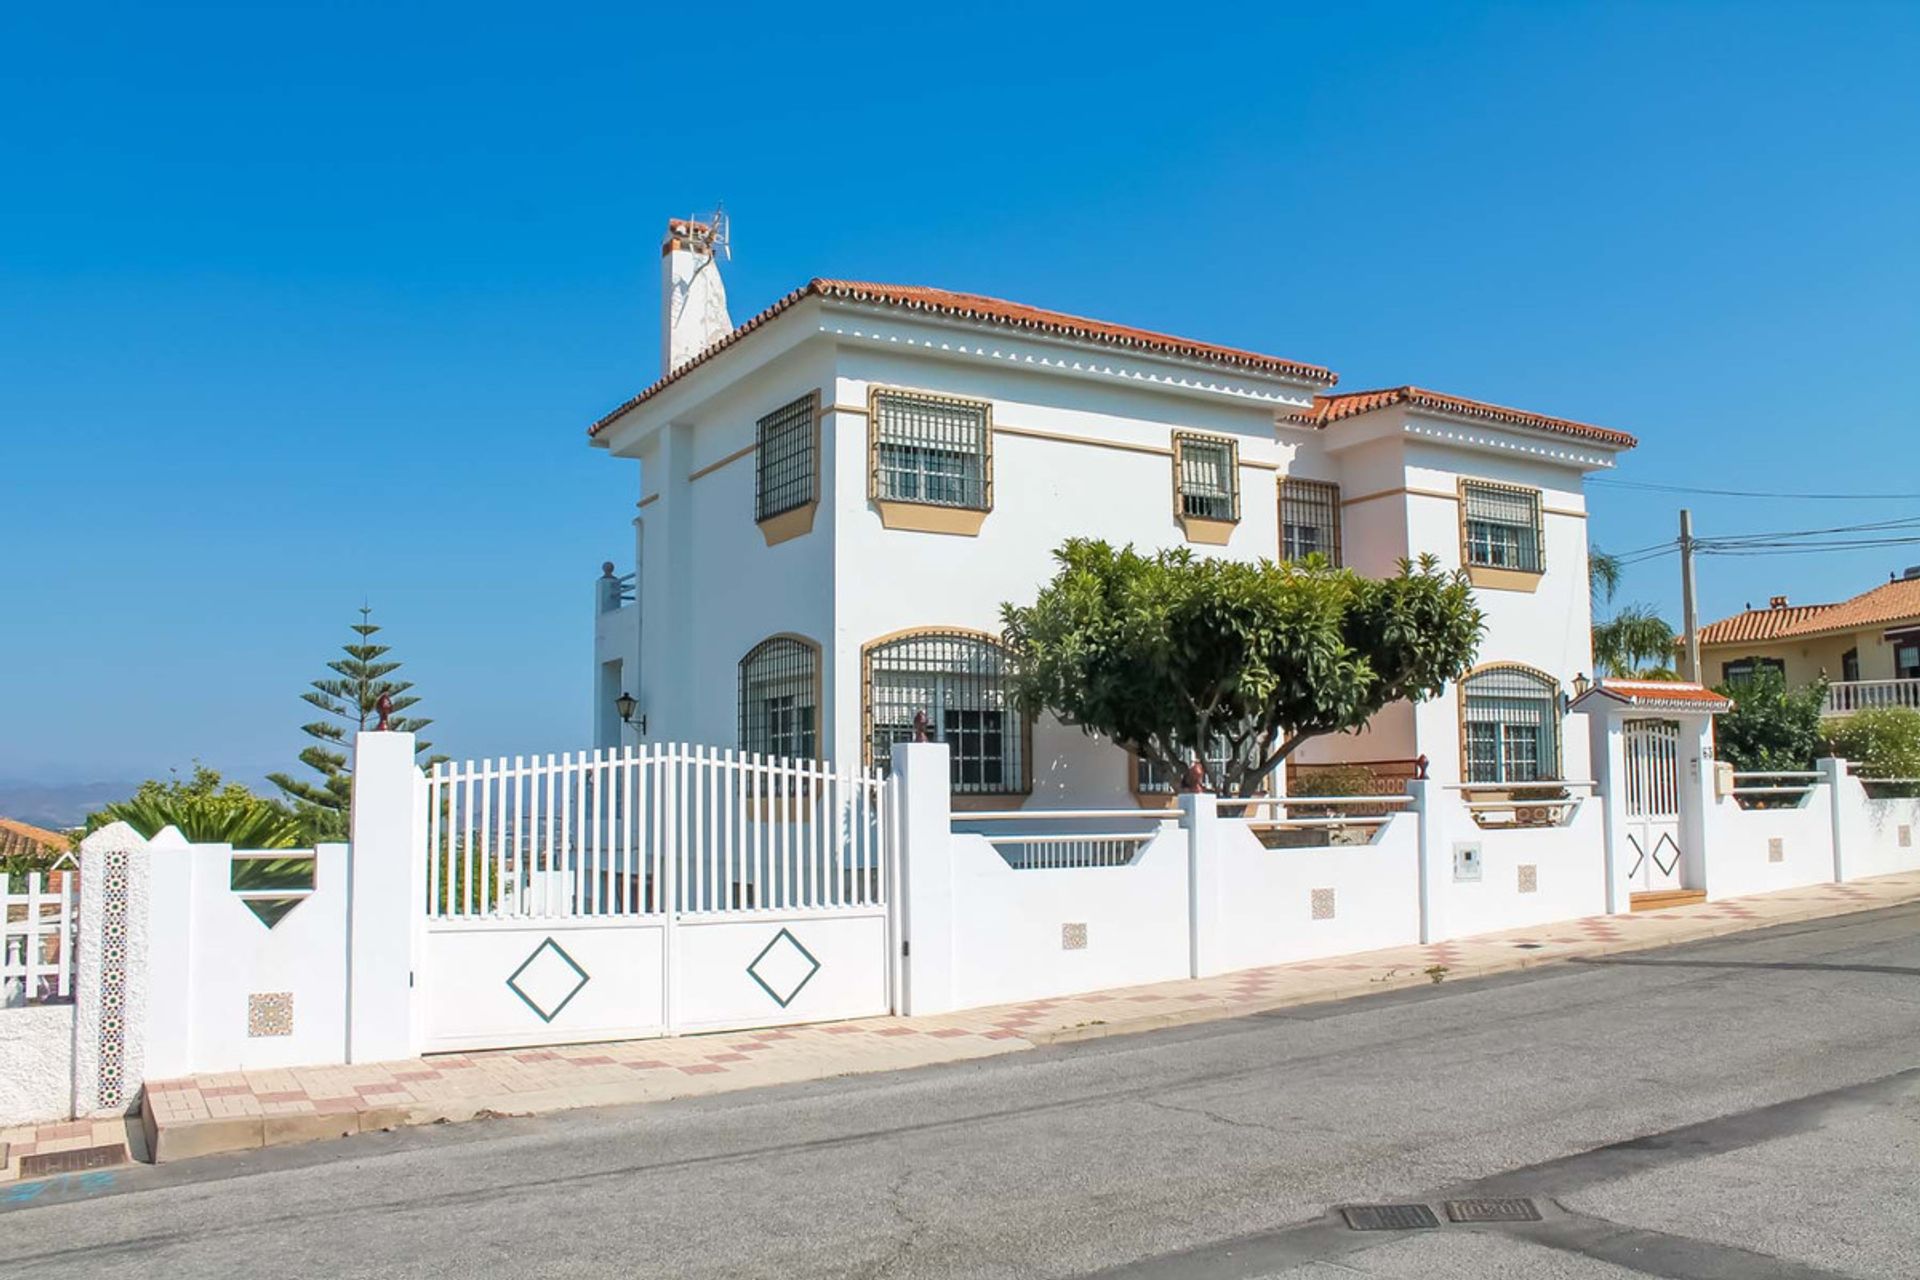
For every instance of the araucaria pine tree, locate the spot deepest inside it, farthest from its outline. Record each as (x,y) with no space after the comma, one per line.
(351,697)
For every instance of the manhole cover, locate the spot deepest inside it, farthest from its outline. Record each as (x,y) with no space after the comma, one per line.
(1388,1217)
(1513,1210)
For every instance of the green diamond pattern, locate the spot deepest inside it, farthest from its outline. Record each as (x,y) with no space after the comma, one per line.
(548,980)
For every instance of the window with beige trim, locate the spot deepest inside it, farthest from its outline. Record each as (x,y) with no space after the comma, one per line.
(1309,520)
(1501,527)
(959,681)
(1206,474)
(933,450)
(780,698)
(1510,725)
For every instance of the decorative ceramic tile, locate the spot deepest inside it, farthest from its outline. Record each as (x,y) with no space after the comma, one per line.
(1073,937)
(1906,836)
(1529,877)
(113,978)
(1323,904)
(270,1013)
(1776,849)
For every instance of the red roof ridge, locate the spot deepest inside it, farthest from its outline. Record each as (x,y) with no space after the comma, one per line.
(1333,407)
(980,307)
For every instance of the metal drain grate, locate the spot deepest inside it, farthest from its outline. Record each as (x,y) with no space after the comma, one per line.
(1388,1217)
(52,1162)
(1497,1210)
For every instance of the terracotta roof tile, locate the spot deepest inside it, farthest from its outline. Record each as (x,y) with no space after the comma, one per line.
(1890,602)
(978,308)
(1330,409)
(1657,694)
(23,837)
(1761,624)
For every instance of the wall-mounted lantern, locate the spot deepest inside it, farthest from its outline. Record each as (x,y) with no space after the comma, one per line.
(626,704)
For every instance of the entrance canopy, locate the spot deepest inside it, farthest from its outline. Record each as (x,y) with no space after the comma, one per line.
(1644,697)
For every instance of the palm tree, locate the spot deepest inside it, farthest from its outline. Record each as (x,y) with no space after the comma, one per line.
(1636,641)
(1603,576)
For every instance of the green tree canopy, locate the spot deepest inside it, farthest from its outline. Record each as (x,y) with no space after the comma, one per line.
(1168,654)
(206,810)
(1771,726)
(350,699)
(1634,642)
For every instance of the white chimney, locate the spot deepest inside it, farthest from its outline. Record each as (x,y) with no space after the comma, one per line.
(693,301)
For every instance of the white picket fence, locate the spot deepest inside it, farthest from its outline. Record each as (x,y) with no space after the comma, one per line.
(37,941)
(632,831)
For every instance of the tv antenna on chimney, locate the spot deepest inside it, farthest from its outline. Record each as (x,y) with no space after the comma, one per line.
(722,237)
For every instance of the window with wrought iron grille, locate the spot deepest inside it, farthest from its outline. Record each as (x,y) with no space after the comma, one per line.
(1512,725)
(780,698)
(1502,526)
(1309,520)
(931,449)
(1150,777)
(1207,476)
(1741,670)
(960,682)
(784,477)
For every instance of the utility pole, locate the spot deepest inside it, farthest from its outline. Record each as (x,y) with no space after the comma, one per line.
(1689,606)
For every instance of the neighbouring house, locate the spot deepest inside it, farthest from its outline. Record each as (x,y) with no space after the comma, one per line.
(35,845)
(836,497)
(1867,647)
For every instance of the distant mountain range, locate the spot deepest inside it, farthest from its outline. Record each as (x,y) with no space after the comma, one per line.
(58,805)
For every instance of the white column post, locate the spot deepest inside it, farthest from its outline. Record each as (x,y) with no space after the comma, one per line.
(386,906)
(923,803)
(1436,857)
(1697,800)
(1607,743)
(111,986)
(1200,815)
(172,869)
(1841,787)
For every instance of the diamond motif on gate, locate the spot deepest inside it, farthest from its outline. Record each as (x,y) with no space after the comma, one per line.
(783,967)
(1666,843)
(548,980)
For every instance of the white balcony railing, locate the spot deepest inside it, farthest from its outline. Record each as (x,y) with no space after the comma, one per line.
(1844,697)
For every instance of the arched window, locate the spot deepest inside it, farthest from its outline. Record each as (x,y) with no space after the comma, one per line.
(960,681)
(780,698)
(1511,718)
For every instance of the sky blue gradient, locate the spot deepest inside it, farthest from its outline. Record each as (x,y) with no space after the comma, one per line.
(303,306)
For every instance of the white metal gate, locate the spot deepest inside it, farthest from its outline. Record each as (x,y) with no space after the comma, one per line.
(1653,804)
(649,891)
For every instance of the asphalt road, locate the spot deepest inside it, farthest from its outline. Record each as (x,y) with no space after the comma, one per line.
(1747,1108)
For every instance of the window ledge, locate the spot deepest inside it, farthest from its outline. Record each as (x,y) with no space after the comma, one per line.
(1493,579)
(789,524)
(1212,533)
(921,517)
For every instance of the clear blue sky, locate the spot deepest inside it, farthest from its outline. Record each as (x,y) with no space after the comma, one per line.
(302,305)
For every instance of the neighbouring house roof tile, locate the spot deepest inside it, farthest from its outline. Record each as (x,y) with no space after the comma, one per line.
(1888,603)
(22,837)
(1332,408)
(1656,695)
(975,307)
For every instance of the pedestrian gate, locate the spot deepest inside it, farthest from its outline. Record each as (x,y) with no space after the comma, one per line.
(1653,804)
(648,891)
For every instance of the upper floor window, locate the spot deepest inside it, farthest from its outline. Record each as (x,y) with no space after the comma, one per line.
(1511,721)
(1309,520)
(780,698)
(784,478)
(1743,669)
(1502,526)
(931,449)
(959,681)
(1207,476)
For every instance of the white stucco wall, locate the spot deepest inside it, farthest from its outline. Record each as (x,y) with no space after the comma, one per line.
(36,1063)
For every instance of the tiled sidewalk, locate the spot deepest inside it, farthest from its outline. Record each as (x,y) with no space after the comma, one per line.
(264,1108)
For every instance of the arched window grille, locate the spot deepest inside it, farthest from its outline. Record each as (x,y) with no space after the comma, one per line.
(780,698)
(960,682)
(1512,725)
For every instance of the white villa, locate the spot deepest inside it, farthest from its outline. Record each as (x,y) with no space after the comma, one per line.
(837,496)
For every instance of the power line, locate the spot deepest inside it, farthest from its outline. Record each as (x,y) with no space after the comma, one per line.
(1751,493)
